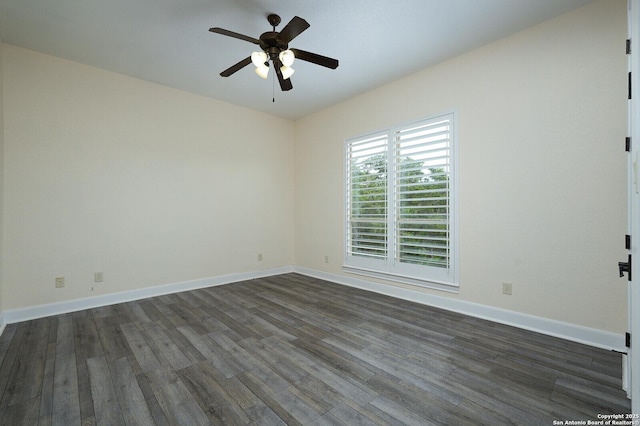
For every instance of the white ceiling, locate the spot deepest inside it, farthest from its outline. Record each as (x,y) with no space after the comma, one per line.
(168,42)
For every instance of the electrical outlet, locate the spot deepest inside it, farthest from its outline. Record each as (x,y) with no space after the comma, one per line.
(326,259)
(507,288)
(98,277)
(59,282)
(260,256)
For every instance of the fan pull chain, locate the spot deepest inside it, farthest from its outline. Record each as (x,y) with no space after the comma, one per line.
(273,87)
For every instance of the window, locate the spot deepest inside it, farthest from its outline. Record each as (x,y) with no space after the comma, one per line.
(400,203)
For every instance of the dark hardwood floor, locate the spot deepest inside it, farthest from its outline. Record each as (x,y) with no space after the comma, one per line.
(295,350)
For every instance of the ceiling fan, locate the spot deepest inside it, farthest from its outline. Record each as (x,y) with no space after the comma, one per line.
(275,48)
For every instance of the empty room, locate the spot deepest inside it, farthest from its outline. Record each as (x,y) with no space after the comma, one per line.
(366,212)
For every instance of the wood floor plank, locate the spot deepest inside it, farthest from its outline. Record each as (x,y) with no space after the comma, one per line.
(439,407)
(137,312)
(185,345)
(240,394)
(283,366)
(134,408)
(399,413)
(240,329)
(211,395)
(344,414)
(142,352)
(64,335)
(46,398)
(266,394)
(112,339)
(262,415)
(211,351)
(177,403)
(26,381)
(173,318)
(298,412)
(8,362)
(583,390)
(242,358)
(7,337)
(87,345)
(345,363)
(66,400)
(316,394)
(493,396)
(474,414)
(152,402)
(36,336)
(105,401)
(25,413)
(292,349)
(150,311)
(168,348)
(352,390)
(86,338)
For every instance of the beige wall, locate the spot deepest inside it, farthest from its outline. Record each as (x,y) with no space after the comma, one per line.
(149,185)
(542,120)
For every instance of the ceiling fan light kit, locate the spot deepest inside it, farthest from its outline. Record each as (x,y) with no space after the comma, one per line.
(286,71)
(259,59)
(262,71)
(275,49)
(287,57)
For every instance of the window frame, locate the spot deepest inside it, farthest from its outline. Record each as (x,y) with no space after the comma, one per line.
(446,279)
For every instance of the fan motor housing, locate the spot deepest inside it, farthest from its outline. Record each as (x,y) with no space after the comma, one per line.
(269,41)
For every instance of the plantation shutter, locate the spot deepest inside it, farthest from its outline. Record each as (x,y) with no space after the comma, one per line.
(422,193)
(401,220)
(367,197)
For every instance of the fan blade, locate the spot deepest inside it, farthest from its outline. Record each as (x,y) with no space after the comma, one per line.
(292,29)
(315,58)
(285,85)
(234,35)
(237,67)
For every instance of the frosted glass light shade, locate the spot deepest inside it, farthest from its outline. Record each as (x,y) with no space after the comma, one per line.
(287,57)
(258,58)
(286,71)
(262,71)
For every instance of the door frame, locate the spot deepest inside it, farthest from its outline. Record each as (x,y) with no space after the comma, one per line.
(632,363)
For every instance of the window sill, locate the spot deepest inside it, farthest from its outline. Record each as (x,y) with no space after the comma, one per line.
(420,282)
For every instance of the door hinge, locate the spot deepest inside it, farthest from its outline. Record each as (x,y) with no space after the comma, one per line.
(627,339)
(628,46)
(627,144)
(629,85)
(625,267)
(627,242)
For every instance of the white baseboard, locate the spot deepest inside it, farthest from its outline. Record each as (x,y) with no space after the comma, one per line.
(564,330)
(3,323)
(41,311)
(568,331)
